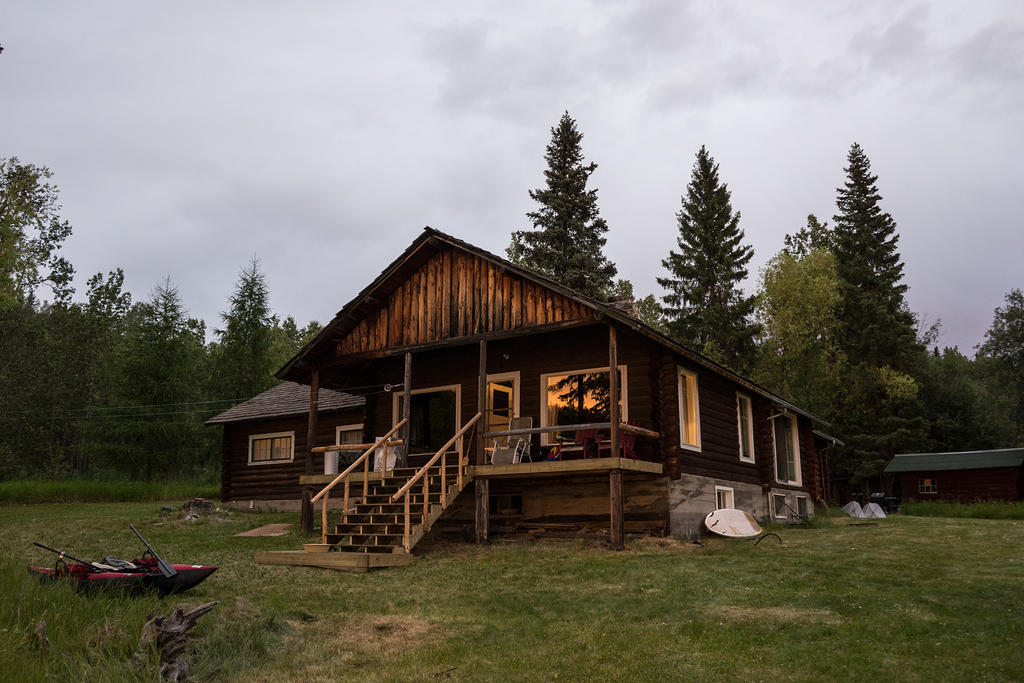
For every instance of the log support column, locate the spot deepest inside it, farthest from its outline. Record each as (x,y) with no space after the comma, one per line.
(615,476)
(482,486)
(306,521)
(613,391)
(403,461)
(617,540)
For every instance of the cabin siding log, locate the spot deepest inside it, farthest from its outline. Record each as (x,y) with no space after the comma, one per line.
(276,480)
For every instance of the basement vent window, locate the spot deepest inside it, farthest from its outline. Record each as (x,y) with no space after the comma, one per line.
(506,505)
(779,506)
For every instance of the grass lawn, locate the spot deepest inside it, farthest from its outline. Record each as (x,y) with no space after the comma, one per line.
(914,598)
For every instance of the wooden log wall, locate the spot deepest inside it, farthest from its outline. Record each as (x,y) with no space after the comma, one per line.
(966,486)
(276,481)
(455,294)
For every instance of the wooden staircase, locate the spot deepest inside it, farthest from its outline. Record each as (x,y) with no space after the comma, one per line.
(395,512)
(377,525)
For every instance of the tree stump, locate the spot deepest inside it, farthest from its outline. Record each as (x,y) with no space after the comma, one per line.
(168,635)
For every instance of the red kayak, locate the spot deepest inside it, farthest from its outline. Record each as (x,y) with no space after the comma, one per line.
(149,572)
(141,574)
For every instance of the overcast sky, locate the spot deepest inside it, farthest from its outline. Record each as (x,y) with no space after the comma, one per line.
(322,137)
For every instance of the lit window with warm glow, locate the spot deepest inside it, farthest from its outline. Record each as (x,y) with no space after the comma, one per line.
(579,397)
(689,410)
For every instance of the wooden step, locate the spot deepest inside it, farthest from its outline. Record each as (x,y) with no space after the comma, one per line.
(343,561)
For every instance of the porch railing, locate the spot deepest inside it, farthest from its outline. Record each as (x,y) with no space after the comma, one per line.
(363,460)
(442,455)
(623,427)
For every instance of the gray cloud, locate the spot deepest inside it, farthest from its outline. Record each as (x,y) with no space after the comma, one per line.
(323,138)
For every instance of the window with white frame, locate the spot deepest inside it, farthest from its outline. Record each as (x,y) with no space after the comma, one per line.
(265,449)
(689,410)
(787,449)
(578,397)
(723,498)
(433,416)
(927,485)
(745,425)
(779,506)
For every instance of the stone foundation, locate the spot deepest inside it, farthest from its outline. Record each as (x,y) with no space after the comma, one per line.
(692,497)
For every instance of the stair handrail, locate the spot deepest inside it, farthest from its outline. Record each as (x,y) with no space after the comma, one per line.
(364,460)
(441,454)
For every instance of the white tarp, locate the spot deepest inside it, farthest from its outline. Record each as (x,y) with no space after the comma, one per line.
(853,509)
(873,511)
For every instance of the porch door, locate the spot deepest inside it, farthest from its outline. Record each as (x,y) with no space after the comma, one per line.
(500,407)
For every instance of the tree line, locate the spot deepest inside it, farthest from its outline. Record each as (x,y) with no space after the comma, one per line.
(104,386)
(109,386)
(828,327)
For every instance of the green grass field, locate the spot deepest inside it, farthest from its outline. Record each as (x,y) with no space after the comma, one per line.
(914,598)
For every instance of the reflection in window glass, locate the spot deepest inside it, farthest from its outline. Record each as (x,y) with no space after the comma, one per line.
(579,399)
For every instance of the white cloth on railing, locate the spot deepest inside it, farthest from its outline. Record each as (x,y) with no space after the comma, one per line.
(378,457)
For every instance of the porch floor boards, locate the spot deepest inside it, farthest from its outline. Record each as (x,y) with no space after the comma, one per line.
(555,468)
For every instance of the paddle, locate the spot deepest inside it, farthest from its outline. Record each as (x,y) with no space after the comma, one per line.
(165,568)
(64,554)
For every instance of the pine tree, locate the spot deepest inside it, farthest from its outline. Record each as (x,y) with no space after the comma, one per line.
(881,413)
(245,357)
(879,328)
(704,306)
(567,241)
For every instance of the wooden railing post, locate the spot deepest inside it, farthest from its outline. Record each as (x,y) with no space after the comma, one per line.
(344,509)
(405,535)
(426,500)
(444,479)
(323,518)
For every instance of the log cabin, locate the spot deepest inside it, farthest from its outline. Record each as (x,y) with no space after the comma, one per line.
(960,476)
(478,374)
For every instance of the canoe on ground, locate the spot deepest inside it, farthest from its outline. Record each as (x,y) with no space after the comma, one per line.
(732,523)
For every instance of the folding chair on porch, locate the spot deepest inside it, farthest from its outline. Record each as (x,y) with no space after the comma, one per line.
(515,448)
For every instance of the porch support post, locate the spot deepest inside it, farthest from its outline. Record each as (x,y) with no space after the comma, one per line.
(403,461)
(613,390)
(482,485)
(314,398)
(481,402)
(483,497)
(617,539)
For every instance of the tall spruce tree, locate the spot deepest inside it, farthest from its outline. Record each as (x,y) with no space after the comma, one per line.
(704,307)
(567,241)
(879,328)
(881,412)
(245,356)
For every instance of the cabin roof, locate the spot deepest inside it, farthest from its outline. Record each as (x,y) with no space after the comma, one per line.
(429,242)
(287,398)
(956,460)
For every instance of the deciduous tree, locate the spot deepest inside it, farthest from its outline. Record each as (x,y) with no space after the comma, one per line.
(31,234)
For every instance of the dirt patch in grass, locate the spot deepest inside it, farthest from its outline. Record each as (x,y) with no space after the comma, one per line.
(775,614)
(646,544)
